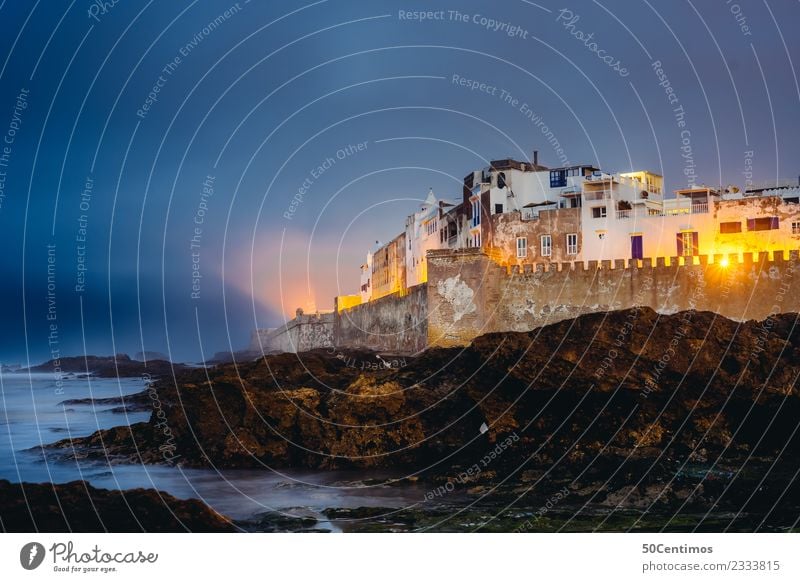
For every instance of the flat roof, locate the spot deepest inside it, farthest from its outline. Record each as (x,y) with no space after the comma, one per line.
(699,190)
(570,167)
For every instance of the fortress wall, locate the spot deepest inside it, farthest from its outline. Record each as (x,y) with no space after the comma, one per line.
(470,294)
(463,290)
(395,323)
(303,333)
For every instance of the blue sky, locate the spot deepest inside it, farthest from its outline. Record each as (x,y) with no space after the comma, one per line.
(275,98)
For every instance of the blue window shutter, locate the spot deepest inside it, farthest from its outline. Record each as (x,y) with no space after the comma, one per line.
(695,243)
(679,238)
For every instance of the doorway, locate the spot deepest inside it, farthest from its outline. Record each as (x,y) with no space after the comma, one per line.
(636,247)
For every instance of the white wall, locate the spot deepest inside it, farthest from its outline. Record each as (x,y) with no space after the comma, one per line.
(659,232)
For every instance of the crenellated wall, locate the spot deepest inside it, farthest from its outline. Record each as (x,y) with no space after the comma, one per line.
(396,323)
(469,294)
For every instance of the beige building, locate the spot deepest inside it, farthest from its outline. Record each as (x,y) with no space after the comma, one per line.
(389,268)
(551,235)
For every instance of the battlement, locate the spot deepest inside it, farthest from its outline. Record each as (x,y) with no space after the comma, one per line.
(720,260)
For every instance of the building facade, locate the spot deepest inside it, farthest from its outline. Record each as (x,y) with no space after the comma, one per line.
(522,213)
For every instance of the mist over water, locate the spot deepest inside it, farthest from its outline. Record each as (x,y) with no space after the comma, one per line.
(33,415)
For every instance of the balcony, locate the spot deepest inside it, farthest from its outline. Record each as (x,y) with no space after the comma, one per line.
(593,195)
(600,176)
(624,214)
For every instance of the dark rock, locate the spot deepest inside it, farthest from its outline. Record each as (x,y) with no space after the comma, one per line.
(138,402)
(119,366)
(663,405)
(79,507)
(279,522)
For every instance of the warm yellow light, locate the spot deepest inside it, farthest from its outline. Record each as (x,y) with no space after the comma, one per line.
(724,262)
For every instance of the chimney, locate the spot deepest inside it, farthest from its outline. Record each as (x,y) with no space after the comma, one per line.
(535,157)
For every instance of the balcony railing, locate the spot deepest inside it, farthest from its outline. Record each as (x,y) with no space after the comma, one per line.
(597,195)
(696,208)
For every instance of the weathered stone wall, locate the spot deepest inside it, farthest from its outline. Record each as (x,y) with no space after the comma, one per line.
(301,334)
(470,294)
(462,293)
(396,323)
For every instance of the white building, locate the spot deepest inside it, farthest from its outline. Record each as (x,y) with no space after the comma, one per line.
(427,229)
(525,187)
(366,279)
(697,221)
(524,213)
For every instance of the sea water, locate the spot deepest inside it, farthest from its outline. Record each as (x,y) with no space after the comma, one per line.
(32,414)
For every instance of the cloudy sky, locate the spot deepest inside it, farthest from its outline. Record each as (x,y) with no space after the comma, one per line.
(202,168)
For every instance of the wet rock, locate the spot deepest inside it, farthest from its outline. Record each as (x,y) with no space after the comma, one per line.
(79,507)
(279,522)
(595,397)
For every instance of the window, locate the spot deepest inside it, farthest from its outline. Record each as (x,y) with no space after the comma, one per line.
(796,228)
(599,212)
(476,239)
(431,227)
(688,244)
(574,172)
(476,212)
(572,244)
(522,247)
(764,223)
(547,245)
(558,178)
(498,209)
(501,180)
(730,227)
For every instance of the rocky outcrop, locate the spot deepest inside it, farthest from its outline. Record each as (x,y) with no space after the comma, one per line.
(79,507)
(628,407)
(119,366)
